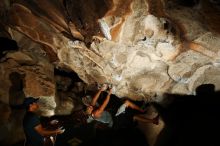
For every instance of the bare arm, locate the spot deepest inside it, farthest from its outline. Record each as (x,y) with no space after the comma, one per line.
(95,98)
(42,131)
(100,110)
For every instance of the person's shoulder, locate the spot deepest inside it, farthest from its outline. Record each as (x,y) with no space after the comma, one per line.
(32,117)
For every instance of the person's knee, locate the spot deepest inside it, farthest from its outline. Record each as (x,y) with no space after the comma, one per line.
(127,102)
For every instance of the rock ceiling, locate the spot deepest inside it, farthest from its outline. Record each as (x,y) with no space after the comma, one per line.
(145,48)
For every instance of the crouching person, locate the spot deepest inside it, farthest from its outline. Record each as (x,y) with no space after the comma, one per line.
(33,129)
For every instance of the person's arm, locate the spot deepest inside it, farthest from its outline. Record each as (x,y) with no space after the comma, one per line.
(42,131)
(100,110)
(95,98)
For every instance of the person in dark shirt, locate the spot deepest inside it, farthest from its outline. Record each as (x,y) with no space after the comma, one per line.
(33,129)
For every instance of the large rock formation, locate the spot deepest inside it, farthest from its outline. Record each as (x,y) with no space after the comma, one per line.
(145,48)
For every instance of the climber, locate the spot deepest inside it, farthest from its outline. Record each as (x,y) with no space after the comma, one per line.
(99,113)
(136,117)
(33,129)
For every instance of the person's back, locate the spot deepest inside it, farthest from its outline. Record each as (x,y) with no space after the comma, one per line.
(33,138)
(105,118)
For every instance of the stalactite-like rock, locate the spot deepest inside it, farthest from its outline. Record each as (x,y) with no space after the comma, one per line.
(141,47)
(144,48)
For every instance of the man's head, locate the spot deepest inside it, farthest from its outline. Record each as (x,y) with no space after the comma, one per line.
(30,103)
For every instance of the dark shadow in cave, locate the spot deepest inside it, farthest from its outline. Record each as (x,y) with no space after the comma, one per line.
(7,45)
(16,93)
(70,74)
(84,15)
(75,88)
(188,3)
(191,120)
(125,133)
(16,97)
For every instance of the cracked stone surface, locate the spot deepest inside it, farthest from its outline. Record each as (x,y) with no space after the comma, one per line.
(138,49)
(145,48)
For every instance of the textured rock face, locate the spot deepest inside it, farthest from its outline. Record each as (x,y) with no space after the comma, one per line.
(143,48)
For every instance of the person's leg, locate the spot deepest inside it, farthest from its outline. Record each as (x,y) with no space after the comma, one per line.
(133,106)
(127,104)
(95,98)
(141,118)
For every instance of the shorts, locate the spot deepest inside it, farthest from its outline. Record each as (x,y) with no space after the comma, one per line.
(121,109)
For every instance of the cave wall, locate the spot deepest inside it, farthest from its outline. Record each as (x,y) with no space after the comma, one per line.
(145,48)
